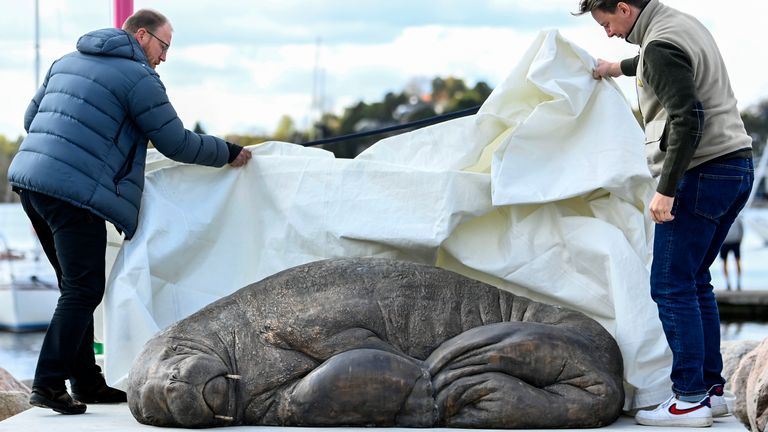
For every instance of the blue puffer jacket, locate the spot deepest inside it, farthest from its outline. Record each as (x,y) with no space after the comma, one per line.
(89,124)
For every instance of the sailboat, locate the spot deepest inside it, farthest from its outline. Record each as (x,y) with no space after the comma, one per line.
(28,285)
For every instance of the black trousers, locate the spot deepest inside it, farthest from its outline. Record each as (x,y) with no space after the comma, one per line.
(75,242)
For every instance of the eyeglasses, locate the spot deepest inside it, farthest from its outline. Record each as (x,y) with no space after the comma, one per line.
(165,45)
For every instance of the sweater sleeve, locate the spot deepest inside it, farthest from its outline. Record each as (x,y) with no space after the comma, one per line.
(669,72)
(234,151)
(629,66)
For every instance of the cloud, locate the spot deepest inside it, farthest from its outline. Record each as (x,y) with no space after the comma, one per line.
(239,65)
(352,71)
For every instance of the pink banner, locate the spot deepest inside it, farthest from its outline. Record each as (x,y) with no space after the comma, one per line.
(123,9)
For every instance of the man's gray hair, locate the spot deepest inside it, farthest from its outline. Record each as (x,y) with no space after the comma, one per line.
(145,18)
(609,6)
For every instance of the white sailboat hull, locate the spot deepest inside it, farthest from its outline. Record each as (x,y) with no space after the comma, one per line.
(26,307)
(28,286)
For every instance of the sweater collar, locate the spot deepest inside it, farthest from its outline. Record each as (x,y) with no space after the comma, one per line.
(644,19)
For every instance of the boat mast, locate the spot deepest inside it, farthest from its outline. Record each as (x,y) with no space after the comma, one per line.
(37,44)
(317,104)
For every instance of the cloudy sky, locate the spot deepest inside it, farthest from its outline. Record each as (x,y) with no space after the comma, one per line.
(237,66)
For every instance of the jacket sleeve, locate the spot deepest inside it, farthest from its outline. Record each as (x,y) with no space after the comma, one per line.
(34,104)
(157,119)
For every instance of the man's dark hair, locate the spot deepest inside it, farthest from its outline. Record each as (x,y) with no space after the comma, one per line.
(144,18)
(609,6)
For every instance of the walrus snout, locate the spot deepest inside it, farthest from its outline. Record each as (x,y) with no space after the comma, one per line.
(183,389)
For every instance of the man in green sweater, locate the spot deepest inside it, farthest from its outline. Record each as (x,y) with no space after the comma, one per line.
(702,157)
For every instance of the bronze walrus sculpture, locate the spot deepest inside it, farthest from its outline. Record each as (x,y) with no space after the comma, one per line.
(376,342)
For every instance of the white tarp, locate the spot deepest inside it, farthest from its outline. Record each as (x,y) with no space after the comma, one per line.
(542,193)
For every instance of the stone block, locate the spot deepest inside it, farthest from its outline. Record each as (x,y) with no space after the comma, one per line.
(733,352)
(12,403)
(9,383)
(757,389)
(739,386)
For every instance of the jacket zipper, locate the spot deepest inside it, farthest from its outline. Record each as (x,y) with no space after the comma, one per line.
(129,159)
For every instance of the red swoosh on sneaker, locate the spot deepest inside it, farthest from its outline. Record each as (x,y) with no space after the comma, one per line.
(673,409)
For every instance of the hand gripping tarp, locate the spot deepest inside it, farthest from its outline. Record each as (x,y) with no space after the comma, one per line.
(542,193)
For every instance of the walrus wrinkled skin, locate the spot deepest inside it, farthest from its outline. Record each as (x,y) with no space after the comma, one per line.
(376,342)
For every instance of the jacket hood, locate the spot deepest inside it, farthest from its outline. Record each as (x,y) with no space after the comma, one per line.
(111,42)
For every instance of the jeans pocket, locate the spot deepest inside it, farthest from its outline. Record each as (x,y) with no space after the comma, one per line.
(716,194)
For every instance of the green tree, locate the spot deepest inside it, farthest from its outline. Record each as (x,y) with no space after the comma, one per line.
(246,140)
(351,116)
(483,89)
(8,148)
(391,102)
(469,98)
(756,123)
(452,94)
(199,128)
(286,129)
(448,94)
(327,126)
(449,87)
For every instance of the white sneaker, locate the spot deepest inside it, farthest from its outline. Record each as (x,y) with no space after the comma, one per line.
(675,412)
(719,401)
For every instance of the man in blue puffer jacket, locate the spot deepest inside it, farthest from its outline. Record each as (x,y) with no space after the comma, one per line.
(82,163)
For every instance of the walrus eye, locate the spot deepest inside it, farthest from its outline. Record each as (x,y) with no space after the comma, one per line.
(215,395)
(174,375)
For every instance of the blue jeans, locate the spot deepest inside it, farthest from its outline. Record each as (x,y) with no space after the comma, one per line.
(707,201)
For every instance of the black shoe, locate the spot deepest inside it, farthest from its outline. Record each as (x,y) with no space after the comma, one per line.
(57,400)
(100,393)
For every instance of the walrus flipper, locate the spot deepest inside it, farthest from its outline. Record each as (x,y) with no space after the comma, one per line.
(362,387)
(522,375)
